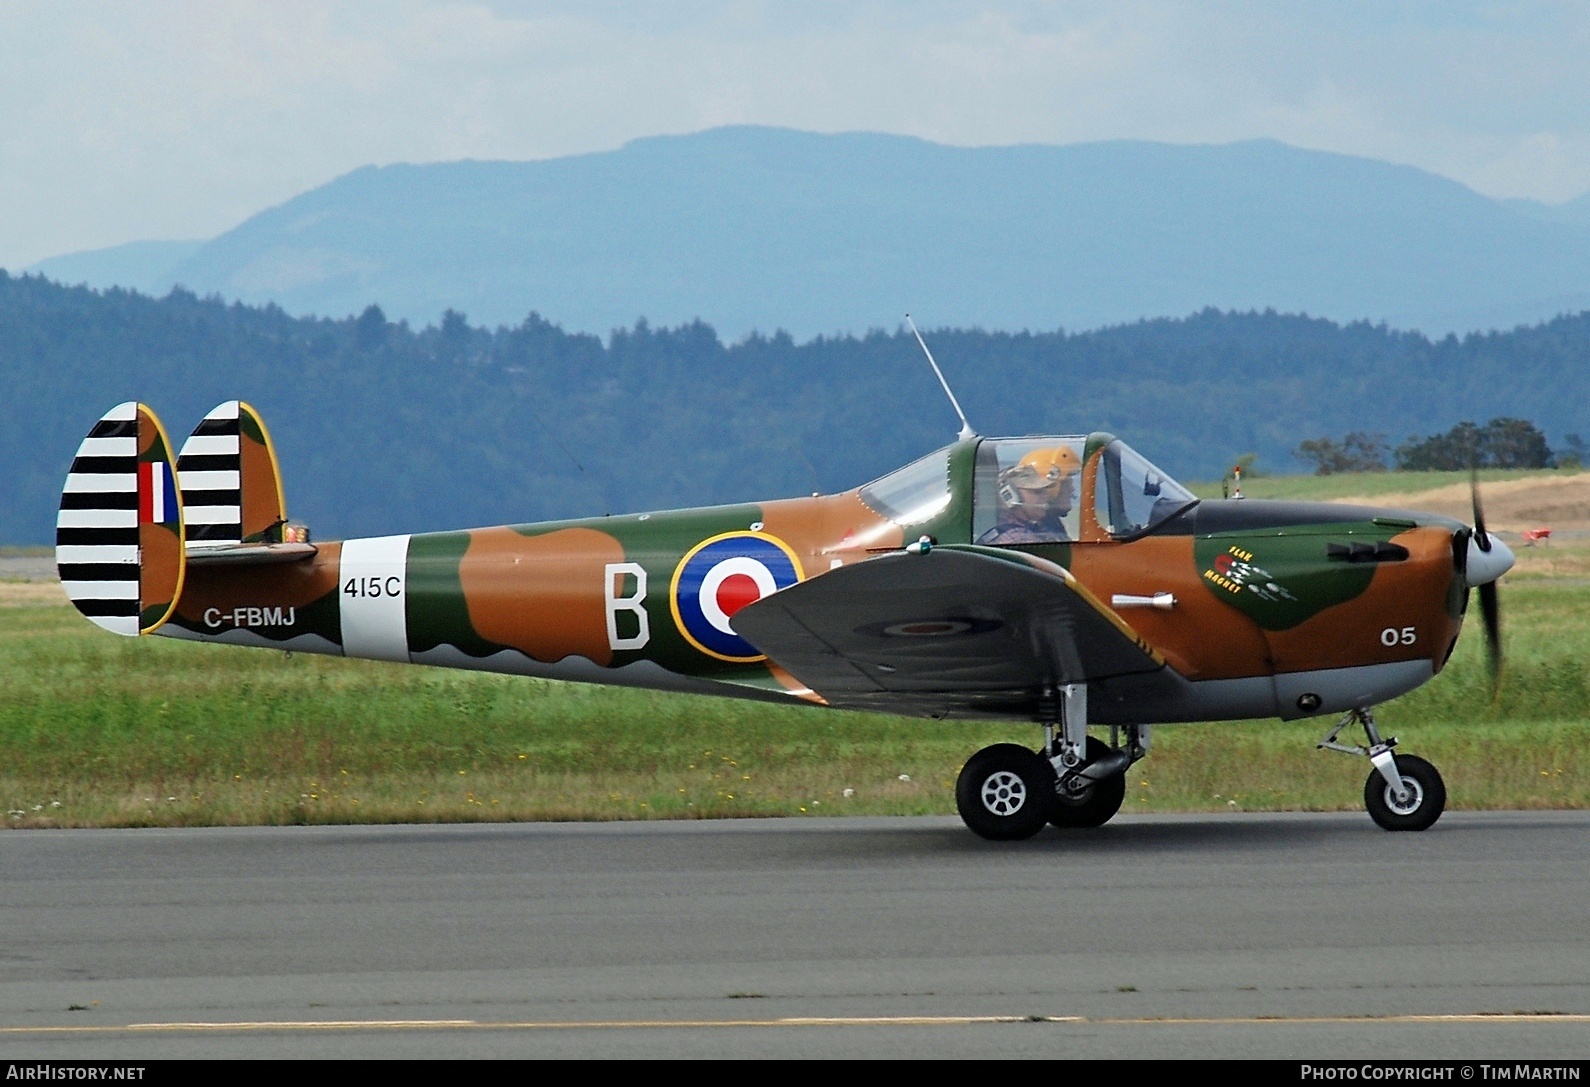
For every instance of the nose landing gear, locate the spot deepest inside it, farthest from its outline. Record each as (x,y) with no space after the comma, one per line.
(1403,792)
(1419,804)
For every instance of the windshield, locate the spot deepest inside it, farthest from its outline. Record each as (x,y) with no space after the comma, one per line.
(1026,490)
(1130,495)
(911,495)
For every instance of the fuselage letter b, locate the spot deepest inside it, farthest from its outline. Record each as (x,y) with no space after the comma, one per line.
(612,582)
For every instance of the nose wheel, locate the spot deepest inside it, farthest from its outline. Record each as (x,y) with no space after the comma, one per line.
(1416,806)
(1404,792)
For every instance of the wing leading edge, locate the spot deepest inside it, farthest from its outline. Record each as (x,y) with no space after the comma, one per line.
(958,630)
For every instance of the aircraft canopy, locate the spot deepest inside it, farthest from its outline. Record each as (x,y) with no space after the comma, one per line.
(1031,489)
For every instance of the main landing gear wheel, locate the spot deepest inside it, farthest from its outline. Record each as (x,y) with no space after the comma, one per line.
(1423,804)
(1095,803)
(1005,792)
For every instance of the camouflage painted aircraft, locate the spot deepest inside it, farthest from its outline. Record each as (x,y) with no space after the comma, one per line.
(1062,580)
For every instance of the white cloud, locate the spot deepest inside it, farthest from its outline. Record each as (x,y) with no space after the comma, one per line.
(180,119)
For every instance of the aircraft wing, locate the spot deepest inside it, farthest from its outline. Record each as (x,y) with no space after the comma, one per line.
(955,630)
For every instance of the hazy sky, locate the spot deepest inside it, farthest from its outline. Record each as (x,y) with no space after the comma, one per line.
(180,119)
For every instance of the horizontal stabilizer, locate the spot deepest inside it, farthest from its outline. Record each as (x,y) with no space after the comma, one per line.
(118,536)
(952,630)
(251,554)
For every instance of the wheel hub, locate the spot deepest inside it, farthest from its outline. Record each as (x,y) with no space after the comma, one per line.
(1413,797)
(1074,789)
(1004,793)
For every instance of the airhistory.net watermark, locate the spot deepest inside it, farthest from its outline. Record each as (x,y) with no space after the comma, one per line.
(51,1071)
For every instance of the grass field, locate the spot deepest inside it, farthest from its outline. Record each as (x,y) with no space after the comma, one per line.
(102,731)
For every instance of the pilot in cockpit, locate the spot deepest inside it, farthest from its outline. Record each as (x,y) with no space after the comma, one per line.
(1035,496)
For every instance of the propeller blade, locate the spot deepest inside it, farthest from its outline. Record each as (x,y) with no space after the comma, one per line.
(1492,567)
(1491,611)
(1482,539)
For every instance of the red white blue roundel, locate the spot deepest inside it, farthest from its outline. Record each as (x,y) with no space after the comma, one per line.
(718,577)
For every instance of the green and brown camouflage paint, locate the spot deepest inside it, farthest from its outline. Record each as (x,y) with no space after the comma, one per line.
(597,592)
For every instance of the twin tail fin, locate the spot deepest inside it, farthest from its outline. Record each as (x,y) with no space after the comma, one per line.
(235,507)
(118,536)
(134,515)
(231,485)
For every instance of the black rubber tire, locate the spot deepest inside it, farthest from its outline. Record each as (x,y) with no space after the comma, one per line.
(1095,805)
(1024,786)
(1429,796)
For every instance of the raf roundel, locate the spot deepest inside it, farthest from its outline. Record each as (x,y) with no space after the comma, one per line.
(717,578)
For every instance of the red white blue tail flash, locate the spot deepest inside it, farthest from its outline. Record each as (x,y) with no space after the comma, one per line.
(157,494)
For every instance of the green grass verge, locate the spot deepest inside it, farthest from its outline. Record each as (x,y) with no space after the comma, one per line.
(1365,484)
(103,731)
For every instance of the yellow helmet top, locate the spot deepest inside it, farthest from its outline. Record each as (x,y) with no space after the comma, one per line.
(1042,470)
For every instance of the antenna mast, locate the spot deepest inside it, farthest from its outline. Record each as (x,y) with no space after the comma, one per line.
(966,428)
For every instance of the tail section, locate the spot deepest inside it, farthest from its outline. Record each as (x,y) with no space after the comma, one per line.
(231,485)
(118,537)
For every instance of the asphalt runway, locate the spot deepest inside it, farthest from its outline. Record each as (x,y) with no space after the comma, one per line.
(1315,936)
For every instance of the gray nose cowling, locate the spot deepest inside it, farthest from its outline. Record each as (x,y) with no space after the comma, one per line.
(1484,567)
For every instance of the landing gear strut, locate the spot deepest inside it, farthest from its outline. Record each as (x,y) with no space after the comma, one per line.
(1403,792)
(1007,792)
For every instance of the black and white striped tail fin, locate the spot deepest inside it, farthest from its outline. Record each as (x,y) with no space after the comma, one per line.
(231,485)
(118,536)
(210,469)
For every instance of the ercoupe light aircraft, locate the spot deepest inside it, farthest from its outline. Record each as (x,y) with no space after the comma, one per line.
(1062,580)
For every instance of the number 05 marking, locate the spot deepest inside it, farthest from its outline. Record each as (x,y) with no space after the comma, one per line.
(1394,636)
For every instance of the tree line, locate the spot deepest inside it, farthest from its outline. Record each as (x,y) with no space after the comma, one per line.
(387,427)
(1501,443)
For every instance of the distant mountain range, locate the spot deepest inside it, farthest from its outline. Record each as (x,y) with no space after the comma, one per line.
(762,228)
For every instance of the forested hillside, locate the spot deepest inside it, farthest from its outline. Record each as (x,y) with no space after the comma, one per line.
(385,428)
